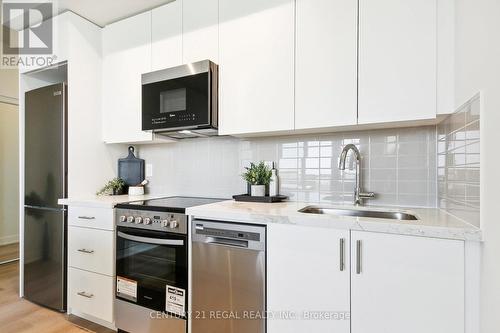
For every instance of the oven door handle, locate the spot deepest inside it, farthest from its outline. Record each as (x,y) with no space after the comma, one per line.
(156,241)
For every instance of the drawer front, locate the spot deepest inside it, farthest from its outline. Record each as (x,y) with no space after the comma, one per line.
(91,293)
(91,250)
(96,218)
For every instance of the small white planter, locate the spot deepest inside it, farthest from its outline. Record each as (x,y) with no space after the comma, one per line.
(258,190)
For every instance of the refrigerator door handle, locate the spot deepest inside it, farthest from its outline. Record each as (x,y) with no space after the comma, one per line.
(46,208)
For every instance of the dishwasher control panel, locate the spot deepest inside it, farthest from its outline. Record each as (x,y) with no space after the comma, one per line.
(225,233)
(229,234)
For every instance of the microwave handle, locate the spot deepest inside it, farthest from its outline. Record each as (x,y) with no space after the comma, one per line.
(156,241)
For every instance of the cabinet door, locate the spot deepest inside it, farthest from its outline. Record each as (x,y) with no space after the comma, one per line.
(167,35)
(397,60)
(90,293)
(200,21)
(406,284)
(256,66)
(326,73)
(92,250)
(304,278)
(127,55)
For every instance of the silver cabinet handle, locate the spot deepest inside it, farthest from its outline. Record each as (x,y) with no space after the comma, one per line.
(358,257)
(84,294)
(86,217)
(85,251)
(342,254)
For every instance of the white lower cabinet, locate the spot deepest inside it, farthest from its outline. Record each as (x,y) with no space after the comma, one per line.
(390,283)
(91,294)
(91,262)
(91,249)
(305,279)
(406,284)
(94,218)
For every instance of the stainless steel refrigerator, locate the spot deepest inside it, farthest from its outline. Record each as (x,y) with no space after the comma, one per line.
(45,182)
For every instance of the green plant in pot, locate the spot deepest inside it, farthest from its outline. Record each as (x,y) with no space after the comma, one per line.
(258,176)
(113,187)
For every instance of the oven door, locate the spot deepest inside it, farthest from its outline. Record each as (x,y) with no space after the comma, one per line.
(151,266)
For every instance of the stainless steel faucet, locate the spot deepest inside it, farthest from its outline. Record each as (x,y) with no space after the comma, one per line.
(359,195)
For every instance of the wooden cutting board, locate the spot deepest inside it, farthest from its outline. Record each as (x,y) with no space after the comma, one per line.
(131,168)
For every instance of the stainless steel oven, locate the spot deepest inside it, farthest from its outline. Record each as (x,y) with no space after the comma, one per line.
(181,102)
(151,271)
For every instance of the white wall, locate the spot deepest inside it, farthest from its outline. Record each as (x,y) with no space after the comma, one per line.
(478,68)
(9,156)
(9,174)
(8,83)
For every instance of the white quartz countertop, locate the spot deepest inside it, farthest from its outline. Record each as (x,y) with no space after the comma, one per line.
(105,201)
(432,222)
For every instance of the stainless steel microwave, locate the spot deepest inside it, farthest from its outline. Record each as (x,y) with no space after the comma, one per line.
(181,102)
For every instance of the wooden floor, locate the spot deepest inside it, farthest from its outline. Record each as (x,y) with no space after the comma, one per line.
(20,316)
(9,252)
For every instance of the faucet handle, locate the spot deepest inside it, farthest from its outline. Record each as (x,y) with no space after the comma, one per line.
(367,195)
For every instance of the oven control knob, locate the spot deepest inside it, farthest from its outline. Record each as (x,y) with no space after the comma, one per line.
(130,219)
(147,220)
(174,224)
(138,220)
(123,218)
(164,223)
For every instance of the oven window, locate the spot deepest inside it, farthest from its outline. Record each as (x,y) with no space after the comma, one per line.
(173,100)
(151,266)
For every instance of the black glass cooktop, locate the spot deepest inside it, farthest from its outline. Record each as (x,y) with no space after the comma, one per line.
(170,204)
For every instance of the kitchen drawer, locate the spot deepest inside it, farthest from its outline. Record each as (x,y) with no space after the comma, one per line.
(91,250)
(91,294)
(97,218)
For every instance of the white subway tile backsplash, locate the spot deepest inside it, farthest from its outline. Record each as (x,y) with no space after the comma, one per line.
(413,148)
(459,162)
(383,149)
(383,162)
(385,175)
(386,187)
(413,187)
(397,164)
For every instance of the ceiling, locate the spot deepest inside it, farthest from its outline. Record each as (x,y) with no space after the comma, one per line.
(101,12)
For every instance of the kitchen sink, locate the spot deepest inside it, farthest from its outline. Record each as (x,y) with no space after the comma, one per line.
(393,215)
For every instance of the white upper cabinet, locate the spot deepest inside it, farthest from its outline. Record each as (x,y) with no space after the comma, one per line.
(397,60)
(256,72)
(326,82)
(406,284)
(308,270)
(445,56)
(127,55)
(167,35)
(61,44)
(200,21)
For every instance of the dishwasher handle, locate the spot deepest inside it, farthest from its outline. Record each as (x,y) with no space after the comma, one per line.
(227,242)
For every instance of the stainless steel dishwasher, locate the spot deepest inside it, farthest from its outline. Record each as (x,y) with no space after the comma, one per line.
(228,278)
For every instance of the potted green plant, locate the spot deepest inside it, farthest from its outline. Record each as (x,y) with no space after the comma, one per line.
(113,187)
(258,176)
